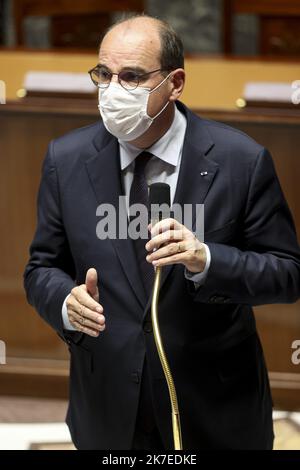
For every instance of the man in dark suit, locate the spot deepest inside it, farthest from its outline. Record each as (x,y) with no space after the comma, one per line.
(96,292)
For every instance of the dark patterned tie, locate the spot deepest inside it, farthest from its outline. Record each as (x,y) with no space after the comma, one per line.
(139,195)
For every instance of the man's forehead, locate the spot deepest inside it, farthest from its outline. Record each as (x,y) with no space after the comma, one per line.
(130,45)
(125,58)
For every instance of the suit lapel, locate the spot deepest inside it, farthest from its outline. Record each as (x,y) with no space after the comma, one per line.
(105,175)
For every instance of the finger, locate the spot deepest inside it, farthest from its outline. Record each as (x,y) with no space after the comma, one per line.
(73,304)
(164,237)
(76,321)
(91,282)
(163,225)
(83,297)
(84,329)
(168,250)
(174,259)
(86,322)
(81,316)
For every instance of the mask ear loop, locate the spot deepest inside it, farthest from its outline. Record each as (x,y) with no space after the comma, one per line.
(160,84)
(168,102)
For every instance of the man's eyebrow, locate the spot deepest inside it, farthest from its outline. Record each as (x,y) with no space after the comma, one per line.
(134,68)
(102,65)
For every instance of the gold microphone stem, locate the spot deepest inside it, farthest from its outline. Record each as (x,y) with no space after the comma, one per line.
(164,362)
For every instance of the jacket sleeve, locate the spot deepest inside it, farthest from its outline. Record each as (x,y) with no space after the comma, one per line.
(267,268)
(50,274)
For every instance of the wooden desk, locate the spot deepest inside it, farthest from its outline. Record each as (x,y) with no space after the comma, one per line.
(25,130)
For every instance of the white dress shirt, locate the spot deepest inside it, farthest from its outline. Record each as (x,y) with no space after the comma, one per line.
(163,167)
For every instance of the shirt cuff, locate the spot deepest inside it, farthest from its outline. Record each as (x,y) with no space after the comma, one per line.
(199,278)
(64,311)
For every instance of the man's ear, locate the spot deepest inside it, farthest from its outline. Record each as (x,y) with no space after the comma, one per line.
(177,79)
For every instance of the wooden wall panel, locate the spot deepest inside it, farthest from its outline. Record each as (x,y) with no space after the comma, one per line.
(23,142)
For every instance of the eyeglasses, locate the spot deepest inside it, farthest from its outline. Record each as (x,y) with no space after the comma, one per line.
(128,79)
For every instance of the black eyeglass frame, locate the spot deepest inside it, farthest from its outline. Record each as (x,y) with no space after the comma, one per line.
(139,76)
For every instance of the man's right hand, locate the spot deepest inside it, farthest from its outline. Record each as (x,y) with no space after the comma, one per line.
(84,311)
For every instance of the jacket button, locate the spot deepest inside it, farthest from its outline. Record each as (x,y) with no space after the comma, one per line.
(135,377)
(219,299)
(147,326)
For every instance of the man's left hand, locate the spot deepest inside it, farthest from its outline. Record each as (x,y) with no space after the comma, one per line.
(173,244)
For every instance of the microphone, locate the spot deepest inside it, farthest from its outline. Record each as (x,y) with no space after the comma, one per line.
(160,201)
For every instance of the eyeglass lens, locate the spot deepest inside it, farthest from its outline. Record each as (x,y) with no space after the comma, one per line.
(102,77)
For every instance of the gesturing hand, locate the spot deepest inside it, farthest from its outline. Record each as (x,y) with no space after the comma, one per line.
(84,311)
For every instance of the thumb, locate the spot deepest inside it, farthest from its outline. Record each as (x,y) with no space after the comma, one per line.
(91,282)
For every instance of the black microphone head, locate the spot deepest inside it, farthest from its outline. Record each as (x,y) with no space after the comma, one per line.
(160,201)
(160,194)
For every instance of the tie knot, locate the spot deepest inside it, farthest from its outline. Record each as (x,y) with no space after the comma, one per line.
(141,161)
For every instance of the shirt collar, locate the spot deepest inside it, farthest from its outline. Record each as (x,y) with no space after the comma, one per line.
(167,148)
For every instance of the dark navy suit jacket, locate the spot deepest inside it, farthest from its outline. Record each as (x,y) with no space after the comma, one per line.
(209,334)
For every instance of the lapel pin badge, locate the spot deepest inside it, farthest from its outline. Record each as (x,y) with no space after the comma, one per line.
(203,173)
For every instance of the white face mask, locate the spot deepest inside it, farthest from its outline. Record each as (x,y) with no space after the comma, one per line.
(124,113)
